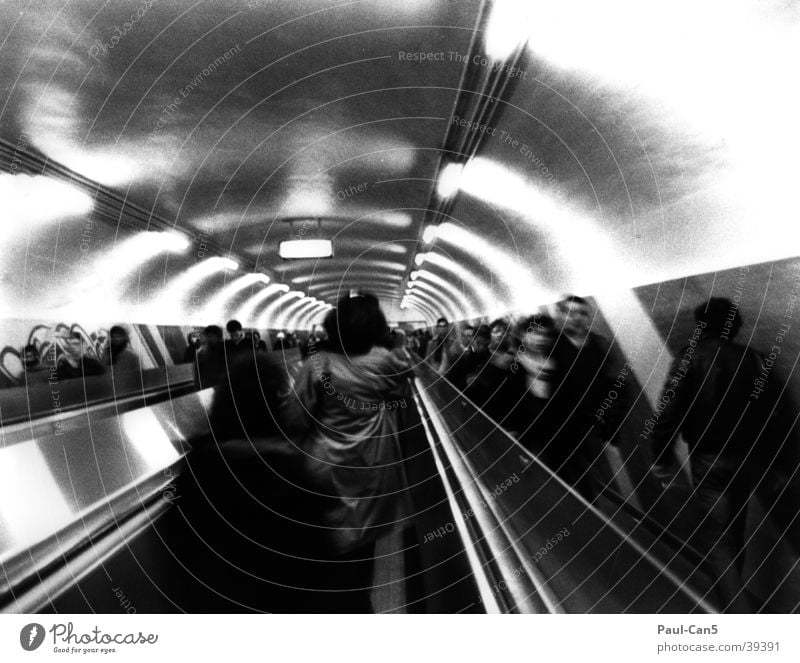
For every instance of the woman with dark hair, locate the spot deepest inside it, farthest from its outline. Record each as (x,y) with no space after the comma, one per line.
(351,393)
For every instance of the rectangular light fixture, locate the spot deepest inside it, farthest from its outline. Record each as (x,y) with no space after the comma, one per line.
(306,248)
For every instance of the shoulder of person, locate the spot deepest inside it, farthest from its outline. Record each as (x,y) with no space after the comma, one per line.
(381,355)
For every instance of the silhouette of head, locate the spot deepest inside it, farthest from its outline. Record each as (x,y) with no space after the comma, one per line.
(118,338)
(356,325)
(234,328)
(720,316)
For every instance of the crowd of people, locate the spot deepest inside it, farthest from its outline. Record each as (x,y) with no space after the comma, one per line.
(543,380)
(334,426)
(212,354)
(330,437)
(331,432)
(547,381)
(77,359)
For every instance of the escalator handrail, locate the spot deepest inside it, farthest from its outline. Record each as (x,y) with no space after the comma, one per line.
(518,592)
(645,554)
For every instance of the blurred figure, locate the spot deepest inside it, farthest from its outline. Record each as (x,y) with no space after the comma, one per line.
(253,404)
(77,360)
(244,492)
(457,371)
(258,344)
(424,338)
(236,339)
(499,339)
(541,413)
(192,344)
(582,357)
(118,354)
(480,354)
(351,394)
(398,345)
(412,341)
(716,398)
(467,335)
(443,349)
(210,359)
(495,388)
(35,371)
(316,341)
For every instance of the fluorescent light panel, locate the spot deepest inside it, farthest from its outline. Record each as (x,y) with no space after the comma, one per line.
(305,248)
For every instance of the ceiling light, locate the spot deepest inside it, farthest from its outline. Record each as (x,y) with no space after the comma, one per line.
(449,178)
(508,28)
(430,234)
(305,248)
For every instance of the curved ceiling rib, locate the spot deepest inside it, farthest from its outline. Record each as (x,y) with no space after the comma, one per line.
(312,317)
(438,282)
(518,279)
(435,303)
(426,309)
(168,305)
(266,317)
(298,319)
(455,306)
(289,310)
(245,312)
(218,306)
(490,301)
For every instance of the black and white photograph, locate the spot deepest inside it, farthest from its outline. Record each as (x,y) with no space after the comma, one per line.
(423,307)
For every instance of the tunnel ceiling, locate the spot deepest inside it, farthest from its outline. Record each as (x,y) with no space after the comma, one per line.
(594,153)
(228,118)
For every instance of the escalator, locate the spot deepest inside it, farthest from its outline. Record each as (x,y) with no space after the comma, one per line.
(111,516)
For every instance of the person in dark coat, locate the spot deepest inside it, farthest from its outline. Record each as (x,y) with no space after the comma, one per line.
(192,344)
(582,357)
(495,387)
(716,395)
(118,355)
(541,413)
(210,362)
(351,393)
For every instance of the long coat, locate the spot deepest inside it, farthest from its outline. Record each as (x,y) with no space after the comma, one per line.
(352,405)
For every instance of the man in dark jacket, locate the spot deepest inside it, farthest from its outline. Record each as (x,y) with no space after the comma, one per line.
(236,344)
(210,360)
(582,359)
(716,397)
